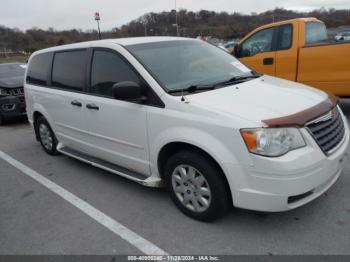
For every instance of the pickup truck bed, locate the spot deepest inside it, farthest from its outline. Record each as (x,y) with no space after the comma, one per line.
(326,66)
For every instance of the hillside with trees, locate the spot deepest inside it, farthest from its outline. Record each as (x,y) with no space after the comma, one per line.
(221,25)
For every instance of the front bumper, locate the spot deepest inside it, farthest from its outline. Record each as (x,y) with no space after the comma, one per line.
(12,106)
(287,182)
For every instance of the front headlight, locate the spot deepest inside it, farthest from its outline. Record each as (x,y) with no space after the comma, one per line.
(272,141)
(3,92)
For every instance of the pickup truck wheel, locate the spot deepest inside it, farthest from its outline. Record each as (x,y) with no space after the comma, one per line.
(46,136)
(197,186)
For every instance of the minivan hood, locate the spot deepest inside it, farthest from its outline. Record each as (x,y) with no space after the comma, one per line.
(260,99)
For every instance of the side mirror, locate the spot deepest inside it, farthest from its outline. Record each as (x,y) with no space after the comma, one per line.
(235,50)
(129,91)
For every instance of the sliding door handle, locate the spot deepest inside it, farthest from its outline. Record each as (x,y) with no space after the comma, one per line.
(92,107)
(76,103)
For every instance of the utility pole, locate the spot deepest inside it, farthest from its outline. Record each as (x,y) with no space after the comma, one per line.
(97,19)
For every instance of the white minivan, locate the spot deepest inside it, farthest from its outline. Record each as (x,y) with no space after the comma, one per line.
(185,114)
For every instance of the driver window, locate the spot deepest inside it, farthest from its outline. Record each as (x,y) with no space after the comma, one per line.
(108,69)
(258,43)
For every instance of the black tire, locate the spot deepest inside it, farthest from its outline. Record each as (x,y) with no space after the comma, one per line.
(43,122)
(2,120)
(220,196)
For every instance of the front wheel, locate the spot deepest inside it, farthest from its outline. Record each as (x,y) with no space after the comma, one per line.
(197,186)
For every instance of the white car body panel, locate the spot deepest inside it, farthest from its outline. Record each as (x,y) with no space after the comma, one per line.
(209,120)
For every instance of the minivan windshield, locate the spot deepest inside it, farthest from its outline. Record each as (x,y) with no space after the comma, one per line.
(181,64)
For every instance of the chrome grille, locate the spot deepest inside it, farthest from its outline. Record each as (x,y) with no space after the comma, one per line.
(328,130)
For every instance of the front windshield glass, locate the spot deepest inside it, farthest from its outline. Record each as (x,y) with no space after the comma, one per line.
(11,70)
(183,63)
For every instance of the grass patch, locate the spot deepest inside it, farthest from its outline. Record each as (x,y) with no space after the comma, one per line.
(12,59)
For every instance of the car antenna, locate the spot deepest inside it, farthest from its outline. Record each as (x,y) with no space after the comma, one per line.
(182,95)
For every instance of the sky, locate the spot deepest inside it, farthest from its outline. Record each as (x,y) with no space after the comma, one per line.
(79,14)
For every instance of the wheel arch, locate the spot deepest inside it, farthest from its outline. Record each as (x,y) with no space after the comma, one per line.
(38,112)
(172,147)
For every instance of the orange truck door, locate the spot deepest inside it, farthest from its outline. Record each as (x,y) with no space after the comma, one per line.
(257,51)
(287,51)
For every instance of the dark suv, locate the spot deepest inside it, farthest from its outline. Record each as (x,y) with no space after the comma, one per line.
(12,102)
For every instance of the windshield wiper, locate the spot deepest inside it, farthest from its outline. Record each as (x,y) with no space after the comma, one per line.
(201,87)
(236,79)
(193,88)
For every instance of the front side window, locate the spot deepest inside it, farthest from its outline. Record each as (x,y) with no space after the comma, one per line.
(183,63)
(108,69)
(258,43)
(68,70)
(316,32)
(38,69)
(285,37)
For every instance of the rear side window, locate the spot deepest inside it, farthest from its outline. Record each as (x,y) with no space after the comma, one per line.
(38,69)
(285,37)
(68,70)
(108,69)
(316,32)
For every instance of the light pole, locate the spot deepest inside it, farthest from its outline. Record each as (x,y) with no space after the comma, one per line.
(97,19)
(177,25)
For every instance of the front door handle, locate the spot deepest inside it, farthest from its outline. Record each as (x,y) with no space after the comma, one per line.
(268,61)
(76,103)
(92,107)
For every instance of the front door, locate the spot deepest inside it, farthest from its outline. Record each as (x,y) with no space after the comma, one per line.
(118,129)
(258,52)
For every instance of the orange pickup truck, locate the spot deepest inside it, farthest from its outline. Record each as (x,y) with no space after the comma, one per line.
(298,50)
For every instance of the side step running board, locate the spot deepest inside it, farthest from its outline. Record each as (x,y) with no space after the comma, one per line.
(132,175)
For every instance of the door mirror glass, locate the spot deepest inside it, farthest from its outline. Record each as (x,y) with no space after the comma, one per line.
(129,91)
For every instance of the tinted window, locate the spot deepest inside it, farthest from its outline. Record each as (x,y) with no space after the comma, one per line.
(258,43)
(284,37)
(69,69)
(37,69)
(315,33)
(108,69)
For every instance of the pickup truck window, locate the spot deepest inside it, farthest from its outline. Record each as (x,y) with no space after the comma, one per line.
(284,40)
(258,43)
(315,32)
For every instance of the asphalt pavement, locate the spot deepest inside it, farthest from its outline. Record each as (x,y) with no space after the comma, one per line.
(36,220)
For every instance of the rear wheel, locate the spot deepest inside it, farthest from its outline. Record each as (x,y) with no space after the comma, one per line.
(46,136)
(197,186)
